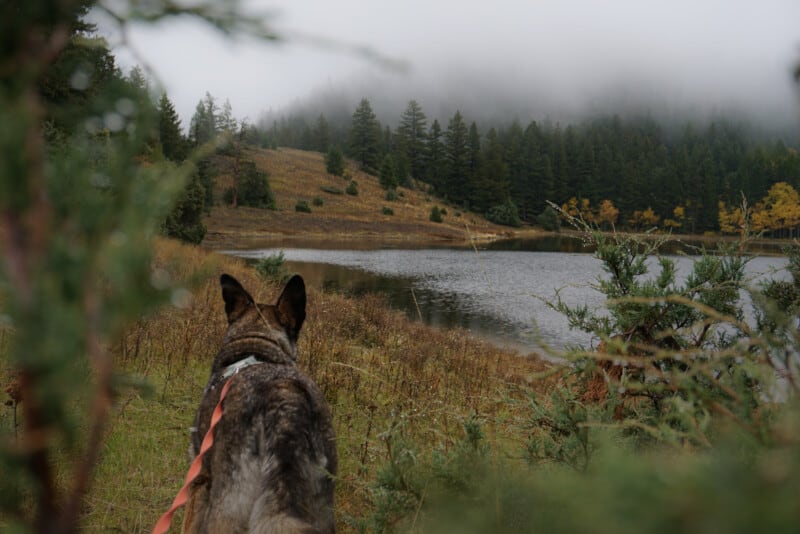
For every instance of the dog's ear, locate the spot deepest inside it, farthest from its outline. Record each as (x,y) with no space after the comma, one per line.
(291,306)
(236,298)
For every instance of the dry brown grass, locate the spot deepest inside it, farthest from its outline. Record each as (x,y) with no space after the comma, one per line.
(377,369)
(297,174)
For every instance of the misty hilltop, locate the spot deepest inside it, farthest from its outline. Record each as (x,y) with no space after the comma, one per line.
(496,61)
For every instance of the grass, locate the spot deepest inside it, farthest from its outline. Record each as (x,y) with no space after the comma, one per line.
(377,369)
(432,428)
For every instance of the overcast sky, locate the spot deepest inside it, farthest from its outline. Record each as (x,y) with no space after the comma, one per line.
(535,59)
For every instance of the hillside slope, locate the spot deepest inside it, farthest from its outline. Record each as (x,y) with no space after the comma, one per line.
(300,175)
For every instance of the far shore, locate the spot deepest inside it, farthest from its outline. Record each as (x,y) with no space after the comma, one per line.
(368,240)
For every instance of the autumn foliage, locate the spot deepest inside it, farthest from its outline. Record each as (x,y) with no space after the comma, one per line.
(778,213)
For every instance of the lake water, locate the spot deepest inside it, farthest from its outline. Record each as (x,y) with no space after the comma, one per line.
(498,293)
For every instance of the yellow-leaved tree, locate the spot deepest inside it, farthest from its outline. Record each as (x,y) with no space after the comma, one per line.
(570,207)
(779,211)
(731,219)
(644,218)
(678,216)
(607,214)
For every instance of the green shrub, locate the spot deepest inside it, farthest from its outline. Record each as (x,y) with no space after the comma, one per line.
(334,161)
(388,173)
(352,188)
(254,190)
(387,211)
(317,201)
(691,360)
(391,194)
(331,190)
(549,220)
(505,214)
(677,418)
(436,215)
(185,221)
(272,268)
(302,206)
(227,195)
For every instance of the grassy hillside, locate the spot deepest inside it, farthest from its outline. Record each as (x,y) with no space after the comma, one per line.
(300,175)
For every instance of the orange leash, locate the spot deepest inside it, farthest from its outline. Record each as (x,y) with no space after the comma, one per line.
(208,440)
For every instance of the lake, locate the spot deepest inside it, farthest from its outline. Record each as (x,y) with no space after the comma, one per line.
(497,292)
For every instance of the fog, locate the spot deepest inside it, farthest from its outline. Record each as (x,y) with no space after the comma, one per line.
(493,60)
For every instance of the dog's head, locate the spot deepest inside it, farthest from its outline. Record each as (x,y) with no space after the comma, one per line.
(278,324)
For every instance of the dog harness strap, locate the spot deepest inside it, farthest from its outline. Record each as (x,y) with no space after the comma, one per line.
(162,526)
(235,367)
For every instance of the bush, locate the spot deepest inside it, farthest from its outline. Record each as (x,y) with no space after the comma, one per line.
(549,220)
(436,215)
(391,194)
(185,221)
(505,214)
(689,356)
(334,161)
(272,268)
(228,194)
(443,211)
(331,190)
(678,416)
(387,177)
(387,211)
(317,201)
(352,188)
(302,206)
(254,188)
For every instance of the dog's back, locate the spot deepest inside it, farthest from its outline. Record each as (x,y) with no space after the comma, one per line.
(272,464)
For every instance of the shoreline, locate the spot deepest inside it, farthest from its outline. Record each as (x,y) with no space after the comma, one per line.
(217,240)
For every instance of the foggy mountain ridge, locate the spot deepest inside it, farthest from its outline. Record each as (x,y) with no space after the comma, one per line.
(498,107)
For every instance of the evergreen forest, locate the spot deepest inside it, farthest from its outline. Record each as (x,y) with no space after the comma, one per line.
(633,172)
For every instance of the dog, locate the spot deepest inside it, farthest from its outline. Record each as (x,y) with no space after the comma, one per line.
(272,466)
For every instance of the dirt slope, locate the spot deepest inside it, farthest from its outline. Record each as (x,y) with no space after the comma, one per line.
(300,175)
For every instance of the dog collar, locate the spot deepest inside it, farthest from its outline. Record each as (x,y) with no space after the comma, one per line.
(235,367)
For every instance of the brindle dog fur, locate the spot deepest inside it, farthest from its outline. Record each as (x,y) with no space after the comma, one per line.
(272,466)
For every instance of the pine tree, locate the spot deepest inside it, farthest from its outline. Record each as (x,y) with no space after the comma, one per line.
(365,137)
(185,221)
(515,158)
(204,122)
(388,178)
(456,148)
(253,187)
(492,186)
(225,121)
(531,190)
(412,138)
(334,161)
(475,162)
(137,79)
(321,135)
(173,144)
(435,157)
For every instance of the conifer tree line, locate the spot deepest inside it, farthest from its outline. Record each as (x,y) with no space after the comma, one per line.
(639,171)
